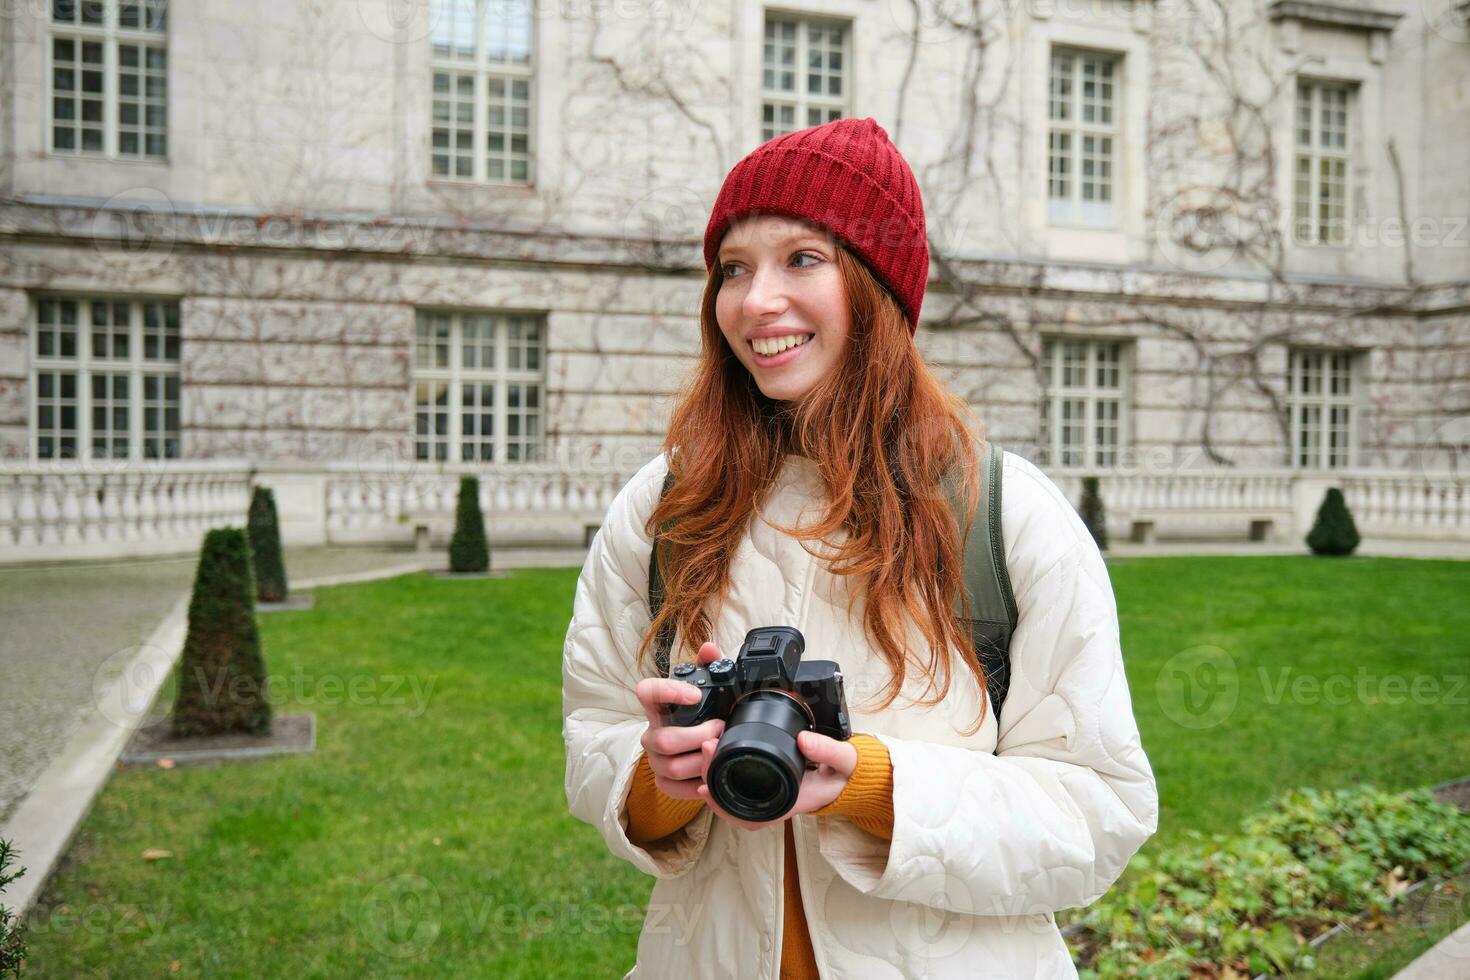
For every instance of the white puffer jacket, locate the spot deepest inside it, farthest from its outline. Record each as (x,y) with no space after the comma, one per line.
(986,845)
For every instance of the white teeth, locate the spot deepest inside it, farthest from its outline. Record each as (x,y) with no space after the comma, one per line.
(775,345)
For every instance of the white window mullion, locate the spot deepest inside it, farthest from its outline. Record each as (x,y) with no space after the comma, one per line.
(1314,157)
(482,93)
(456,388)
(502,390)
(137,396)
(84,380)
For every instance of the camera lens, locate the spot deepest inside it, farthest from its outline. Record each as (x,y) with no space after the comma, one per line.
(756,772)
(753,780)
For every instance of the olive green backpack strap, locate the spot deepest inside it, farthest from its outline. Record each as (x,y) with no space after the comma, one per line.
(987,582)
(665,641)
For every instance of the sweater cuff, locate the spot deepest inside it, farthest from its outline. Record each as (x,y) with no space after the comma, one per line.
(867,799)
(651,812)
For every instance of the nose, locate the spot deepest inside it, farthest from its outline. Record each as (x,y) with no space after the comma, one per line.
(765,295)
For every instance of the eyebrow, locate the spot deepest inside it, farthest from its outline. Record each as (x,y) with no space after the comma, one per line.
(801,236)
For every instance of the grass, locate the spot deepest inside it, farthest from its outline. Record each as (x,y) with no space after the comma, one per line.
(1380,952)
(428,835)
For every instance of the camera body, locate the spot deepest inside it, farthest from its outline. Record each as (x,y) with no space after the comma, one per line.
(766,697)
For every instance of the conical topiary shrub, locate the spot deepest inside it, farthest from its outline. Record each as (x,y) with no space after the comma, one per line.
(12,938)
(265,547)
(468,549)
(1334,533)
(222,682)
(1093,514)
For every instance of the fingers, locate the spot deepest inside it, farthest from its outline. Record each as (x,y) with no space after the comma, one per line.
(655,692)
(708,654)
(842,757)
(672,740)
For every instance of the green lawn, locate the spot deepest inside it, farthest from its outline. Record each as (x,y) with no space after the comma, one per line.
(428,835)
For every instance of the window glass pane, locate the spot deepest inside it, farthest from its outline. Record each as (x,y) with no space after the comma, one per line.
(454,124)
(1320,394)
(452,29)
(160,416)
(56,419)
(508,128)
(508,31)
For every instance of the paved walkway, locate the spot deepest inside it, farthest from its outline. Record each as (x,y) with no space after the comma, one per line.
(1449,959)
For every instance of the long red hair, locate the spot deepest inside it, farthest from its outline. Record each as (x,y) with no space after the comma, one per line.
(883,431)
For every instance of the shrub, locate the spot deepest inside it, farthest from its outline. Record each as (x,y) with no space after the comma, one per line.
(265,547)
(12,937)
(1252,901)
(1334,533)
(222,682)
(468,549)
(1093,514)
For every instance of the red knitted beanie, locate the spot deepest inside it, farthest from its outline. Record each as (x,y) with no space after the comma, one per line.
(846,176)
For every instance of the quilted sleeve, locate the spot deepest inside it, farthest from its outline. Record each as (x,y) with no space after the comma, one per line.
(601,718)
(1050,820)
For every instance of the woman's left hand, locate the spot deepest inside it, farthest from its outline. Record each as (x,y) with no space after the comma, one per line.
(837,762)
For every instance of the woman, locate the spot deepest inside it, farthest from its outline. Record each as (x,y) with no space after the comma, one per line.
(939,840)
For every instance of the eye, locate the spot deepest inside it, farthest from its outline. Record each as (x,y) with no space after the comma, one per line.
(725,268)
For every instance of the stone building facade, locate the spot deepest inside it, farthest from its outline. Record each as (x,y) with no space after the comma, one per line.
(1168,237)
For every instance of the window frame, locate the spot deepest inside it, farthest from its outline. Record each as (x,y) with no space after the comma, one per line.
(481,68)
(1325,401)
(1077,130)
(1052,452)
(1314,154)
(112,36)
(86,365)
(800,100)
(455,376)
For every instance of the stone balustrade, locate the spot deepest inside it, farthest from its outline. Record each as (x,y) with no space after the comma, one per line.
(109,510)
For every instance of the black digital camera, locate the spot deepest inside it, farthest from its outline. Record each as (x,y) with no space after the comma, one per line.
(766,697)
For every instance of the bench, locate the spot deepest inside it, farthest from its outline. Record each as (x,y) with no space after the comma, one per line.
(1260,527)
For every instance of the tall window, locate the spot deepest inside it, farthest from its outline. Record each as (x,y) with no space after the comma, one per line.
(105,379)
(1322,148)
(108,71)
(1082,137)
(1320,392)
(804,76)
(1082,403)
(483,71)
(479,382)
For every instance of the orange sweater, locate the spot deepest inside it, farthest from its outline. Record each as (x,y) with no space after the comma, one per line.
(866,800)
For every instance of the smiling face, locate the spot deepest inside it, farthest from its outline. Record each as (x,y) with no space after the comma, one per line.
(782,304)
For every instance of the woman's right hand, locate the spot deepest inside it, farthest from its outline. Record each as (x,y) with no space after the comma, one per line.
(674,752)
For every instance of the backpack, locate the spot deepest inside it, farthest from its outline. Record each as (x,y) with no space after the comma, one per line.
(987,583)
